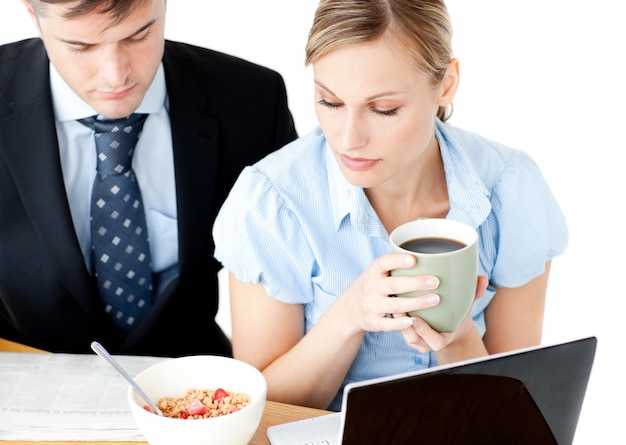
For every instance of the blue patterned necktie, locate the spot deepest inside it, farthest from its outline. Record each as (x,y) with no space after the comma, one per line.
(119,234)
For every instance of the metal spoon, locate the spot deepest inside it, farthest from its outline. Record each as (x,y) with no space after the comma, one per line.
(99,349)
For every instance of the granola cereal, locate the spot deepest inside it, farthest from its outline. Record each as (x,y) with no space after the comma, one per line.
(203,403)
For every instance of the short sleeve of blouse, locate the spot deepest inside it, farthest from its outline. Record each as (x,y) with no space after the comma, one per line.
(530,224)
(259,239)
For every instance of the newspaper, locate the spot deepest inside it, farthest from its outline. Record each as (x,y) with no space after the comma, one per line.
(66,397)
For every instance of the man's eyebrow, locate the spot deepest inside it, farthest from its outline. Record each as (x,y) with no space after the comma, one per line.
(139,31)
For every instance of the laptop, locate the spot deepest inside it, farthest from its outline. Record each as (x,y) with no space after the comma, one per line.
(528,396)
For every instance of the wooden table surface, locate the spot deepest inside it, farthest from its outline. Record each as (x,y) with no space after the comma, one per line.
(274,414)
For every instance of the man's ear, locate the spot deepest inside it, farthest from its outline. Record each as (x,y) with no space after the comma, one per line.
(449,83)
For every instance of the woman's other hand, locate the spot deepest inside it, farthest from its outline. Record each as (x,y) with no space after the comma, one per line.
(424,338)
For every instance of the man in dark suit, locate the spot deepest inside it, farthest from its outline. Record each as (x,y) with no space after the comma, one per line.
(209,115)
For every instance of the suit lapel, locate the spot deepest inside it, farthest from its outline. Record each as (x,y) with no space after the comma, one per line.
(195,144)
(31,151)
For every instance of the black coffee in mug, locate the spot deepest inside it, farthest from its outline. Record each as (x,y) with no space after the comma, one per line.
(432,245)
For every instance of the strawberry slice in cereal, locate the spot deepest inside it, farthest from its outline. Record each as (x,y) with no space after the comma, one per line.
(197,408)
(219,395)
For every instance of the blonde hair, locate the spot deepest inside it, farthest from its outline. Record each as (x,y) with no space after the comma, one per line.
(422,26)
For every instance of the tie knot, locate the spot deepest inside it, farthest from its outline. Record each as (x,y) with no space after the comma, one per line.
(115,141)
(125,124)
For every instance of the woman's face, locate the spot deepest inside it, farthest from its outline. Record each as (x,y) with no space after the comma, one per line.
(377,110)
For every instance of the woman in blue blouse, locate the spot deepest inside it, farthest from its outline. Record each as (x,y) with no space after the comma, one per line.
(305,231)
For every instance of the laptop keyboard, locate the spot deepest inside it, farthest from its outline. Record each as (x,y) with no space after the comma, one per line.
(321,430)
(320,442)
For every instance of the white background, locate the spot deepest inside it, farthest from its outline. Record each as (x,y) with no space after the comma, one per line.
(545,76)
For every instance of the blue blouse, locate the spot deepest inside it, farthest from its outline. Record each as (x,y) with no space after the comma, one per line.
(293,223)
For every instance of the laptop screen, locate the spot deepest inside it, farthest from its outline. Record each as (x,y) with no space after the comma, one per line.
(530,396)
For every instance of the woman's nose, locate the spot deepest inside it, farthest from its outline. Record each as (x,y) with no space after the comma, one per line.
(353,133)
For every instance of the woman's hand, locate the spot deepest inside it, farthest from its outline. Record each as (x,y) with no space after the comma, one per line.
(422,337)
(367,301)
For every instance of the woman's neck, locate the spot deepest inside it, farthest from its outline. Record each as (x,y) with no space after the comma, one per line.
(420,192)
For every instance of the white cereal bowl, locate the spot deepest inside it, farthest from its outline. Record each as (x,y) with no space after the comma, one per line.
(173,377)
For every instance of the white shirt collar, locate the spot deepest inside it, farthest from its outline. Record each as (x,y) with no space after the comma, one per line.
(68,106)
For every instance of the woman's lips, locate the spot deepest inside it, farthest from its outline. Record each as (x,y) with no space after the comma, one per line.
(357,164)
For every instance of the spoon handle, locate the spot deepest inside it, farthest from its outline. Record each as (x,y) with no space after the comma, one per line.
(99,349)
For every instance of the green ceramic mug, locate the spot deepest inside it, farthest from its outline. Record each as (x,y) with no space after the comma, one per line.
(449,250)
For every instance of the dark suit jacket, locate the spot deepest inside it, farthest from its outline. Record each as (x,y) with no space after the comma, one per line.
(225,113)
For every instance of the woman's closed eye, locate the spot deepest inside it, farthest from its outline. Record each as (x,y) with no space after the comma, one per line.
(390,112)
(331,105)
(335,105)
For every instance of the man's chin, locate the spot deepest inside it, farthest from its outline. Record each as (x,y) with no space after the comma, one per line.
(115,112)
(115,105)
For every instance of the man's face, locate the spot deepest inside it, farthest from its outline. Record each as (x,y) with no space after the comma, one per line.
(109,65)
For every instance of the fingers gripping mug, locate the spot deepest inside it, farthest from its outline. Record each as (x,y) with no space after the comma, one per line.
(449,250)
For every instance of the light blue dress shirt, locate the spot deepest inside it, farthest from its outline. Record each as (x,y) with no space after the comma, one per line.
(153,163)
(293,223)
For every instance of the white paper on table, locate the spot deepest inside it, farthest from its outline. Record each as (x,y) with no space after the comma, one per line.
(60,397)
